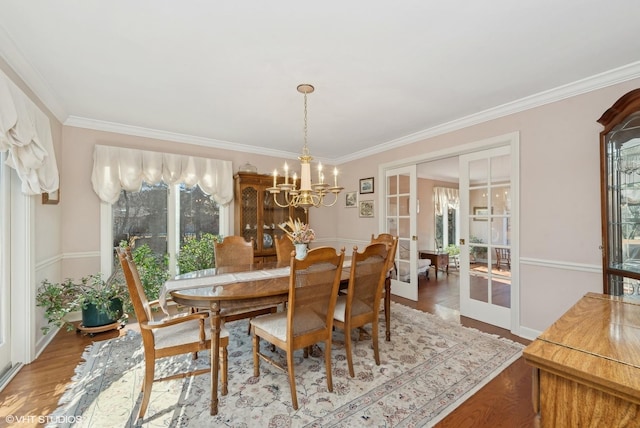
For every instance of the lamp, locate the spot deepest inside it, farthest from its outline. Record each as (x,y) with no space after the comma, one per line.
(309,194)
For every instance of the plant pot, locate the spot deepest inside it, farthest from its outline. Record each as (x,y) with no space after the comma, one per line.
(94,317)
(301,251)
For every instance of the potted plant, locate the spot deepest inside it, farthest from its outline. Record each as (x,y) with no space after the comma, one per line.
(300,234)
(101,302)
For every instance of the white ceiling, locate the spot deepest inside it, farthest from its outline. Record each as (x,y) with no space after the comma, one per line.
(386,73)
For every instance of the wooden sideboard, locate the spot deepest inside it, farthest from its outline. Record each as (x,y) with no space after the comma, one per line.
(439,259)
(587,365)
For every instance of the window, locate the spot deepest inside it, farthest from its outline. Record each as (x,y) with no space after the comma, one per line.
(446,230)
(447,216)
(140,206)
(152,217)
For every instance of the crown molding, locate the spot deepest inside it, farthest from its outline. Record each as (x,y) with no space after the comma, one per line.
(139,131)
(10,53)
(27,72)
(598,81)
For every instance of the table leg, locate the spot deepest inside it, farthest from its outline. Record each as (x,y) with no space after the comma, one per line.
(215,357)
(387,307)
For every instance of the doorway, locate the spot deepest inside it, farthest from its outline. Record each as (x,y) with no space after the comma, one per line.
(443,170)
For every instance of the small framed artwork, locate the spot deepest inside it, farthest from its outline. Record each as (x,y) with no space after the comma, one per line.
(51,198)
(366,185)
(366,208)
(351,200)
(480,211)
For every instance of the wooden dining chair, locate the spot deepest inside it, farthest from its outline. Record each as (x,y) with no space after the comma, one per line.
(392,246)
(174,335)
(390,241)
(503,257)
(284,247)
(361,305)
(233,251)
(313,289)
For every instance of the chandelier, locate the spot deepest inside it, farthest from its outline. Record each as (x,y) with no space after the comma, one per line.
(307,194)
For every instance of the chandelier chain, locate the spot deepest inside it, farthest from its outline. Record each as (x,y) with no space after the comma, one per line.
(305,149)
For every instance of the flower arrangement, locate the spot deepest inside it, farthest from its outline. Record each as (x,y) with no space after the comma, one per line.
(297,231)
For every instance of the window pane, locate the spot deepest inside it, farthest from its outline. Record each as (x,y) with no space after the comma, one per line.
(141,218)
(199,214)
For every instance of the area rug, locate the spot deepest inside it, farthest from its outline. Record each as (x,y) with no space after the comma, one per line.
(429,367)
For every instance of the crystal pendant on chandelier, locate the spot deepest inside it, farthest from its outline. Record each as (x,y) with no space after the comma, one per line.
(308,194)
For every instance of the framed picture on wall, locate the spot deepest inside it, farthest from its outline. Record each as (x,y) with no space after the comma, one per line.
(480,212)
(366,208)
(351,199)
(366,185)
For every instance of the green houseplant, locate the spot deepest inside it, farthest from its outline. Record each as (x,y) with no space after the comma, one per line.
(197,254)
(100,301)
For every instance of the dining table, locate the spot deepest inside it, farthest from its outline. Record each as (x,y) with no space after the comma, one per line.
(231,290)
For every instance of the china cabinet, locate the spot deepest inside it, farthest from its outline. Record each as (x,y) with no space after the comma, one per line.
(257,216)
(620,190)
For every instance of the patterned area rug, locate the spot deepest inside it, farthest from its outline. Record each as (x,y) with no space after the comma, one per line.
(428,368)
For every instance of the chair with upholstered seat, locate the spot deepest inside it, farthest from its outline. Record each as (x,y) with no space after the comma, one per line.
(361,305)
(284,247)
(169,336)
(313,290)
(233,251)
(389,240)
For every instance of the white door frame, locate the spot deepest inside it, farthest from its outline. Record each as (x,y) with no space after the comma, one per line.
(513,140)
(5,267)
(408,290)
(488,311)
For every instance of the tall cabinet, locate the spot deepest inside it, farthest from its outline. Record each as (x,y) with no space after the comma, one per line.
(620,191)
(257,216)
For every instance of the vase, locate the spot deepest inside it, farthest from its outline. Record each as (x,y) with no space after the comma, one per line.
(301,251)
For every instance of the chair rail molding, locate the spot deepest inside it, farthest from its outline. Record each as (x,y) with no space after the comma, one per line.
(557,264)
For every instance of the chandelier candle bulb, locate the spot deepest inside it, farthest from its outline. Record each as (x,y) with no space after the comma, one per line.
(295,178)
(286,173)
(335,177)
(305,179)
(319,172)
(275,177)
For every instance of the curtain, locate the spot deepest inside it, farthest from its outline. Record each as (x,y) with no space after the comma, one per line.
(445,198)
(116,169)
(25,133)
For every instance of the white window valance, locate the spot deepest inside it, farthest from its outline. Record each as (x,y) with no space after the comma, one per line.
(25,133)
(445,198)
(116,169)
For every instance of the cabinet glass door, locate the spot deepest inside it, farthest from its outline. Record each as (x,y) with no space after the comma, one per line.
(250,214)
(623,205)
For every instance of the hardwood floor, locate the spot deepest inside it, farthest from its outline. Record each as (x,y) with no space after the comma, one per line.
(504,402)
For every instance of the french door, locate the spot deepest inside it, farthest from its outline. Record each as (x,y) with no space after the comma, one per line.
(485,257)
(5,266)
(400,220)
